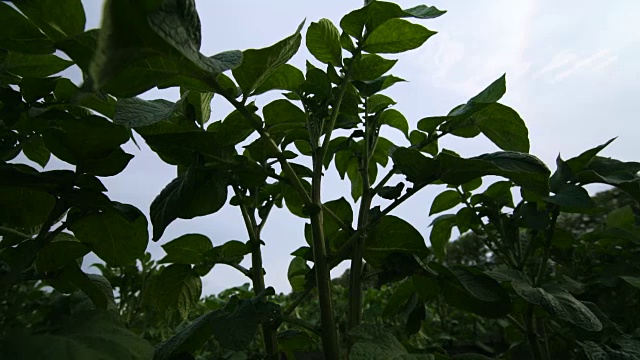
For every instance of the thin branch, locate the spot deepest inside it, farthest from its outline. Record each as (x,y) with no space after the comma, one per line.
(301,323)
(12,232)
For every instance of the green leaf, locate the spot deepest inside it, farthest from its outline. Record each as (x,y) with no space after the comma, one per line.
(35,150)
(579,162)
(417,167)
(286,77)
(523,169)
(189,339)
(391,192)
(80,48)
(231,252)
(632,280)
(378,102)
(62,251)
(109,165)
(87,335)
(34,65)
(393,235)
(444,201)
(116,239)
(623,218)
(142,114)
(401,294)
(323,42)
(34,89)
(571,197)
(21,207)
(57,19)
(259,64)
(176,288)
(396,36)
(197,192)
(21,35)
(197,105)
(370,67)
(441,233)
(281,115)
(373,342)
(504,127)
(236,328)
(187,249)
(368,88)
(376,13)
(623,175)
(559,304)
(297,273)
(165,38)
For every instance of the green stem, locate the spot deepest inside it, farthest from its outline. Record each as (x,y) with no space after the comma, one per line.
(357,253)
(257,271)
(303,324)
(555,212)
(532,337)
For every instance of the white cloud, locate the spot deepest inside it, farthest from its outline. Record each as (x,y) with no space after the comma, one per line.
(566,64)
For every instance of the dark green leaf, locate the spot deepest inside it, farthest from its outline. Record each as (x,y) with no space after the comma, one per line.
(237,328)
(58,19)
(396,36)
(197,192)
(401,294)
(370,67)
(34,65)
(571,197)
(187,249)
(441,233)
(34,89)
(197,105)
(393,235)
(189,339)
(417,167)
(35,150)
(378,102)
(373,342)
(109,165)
(395,119)
(59,253)
(259,64)
(559,304)
(286,77)
(19,34)
(623,218)
(579,162)
(504,127)
(116,239)
(444,201)
(632,280)
(368,88)
(323,42)
(176,288)
(21,207)
(297,273)
(282,115)
(87,335)
(523,169)
(391,192)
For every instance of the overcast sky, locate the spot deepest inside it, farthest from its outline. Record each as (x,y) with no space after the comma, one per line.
(572,74)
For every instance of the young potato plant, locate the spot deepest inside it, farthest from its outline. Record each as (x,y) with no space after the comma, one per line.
(263,159)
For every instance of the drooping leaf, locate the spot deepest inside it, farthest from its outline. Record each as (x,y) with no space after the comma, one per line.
(378,102)
(259,64)
(401,294)
(35,150)
(504,127)
(323,42)
(441,233)
(231,252)
(189,339)
(236,328)
(116,239)
(396,36)
(297,273)
(197,192)
(373,342)
(395,119)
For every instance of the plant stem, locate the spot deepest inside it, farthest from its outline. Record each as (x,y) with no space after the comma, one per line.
(555,212)
(532,337)
(257,272)
(303,324)
(357,252)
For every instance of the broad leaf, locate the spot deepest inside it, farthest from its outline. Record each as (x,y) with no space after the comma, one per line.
(323,42)
(523,169)
(393,235)
(444,201)
(87,335)
(22,207)
(58,19)
(504,127)
(369,67)
(176,288)
(189,339)
(417,167)
(373,342)
(297,273)
(396,36)
(35,150)
(21,35)
(395,119)
(235,328)
(33,65)
(187,249)
(259,64)
(118,235)
(197,192)
(368,88)
(441,233)
(286,77)
(63,250)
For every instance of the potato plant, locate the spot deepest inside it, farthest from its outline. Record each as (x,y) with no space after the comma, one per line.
(264,159)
